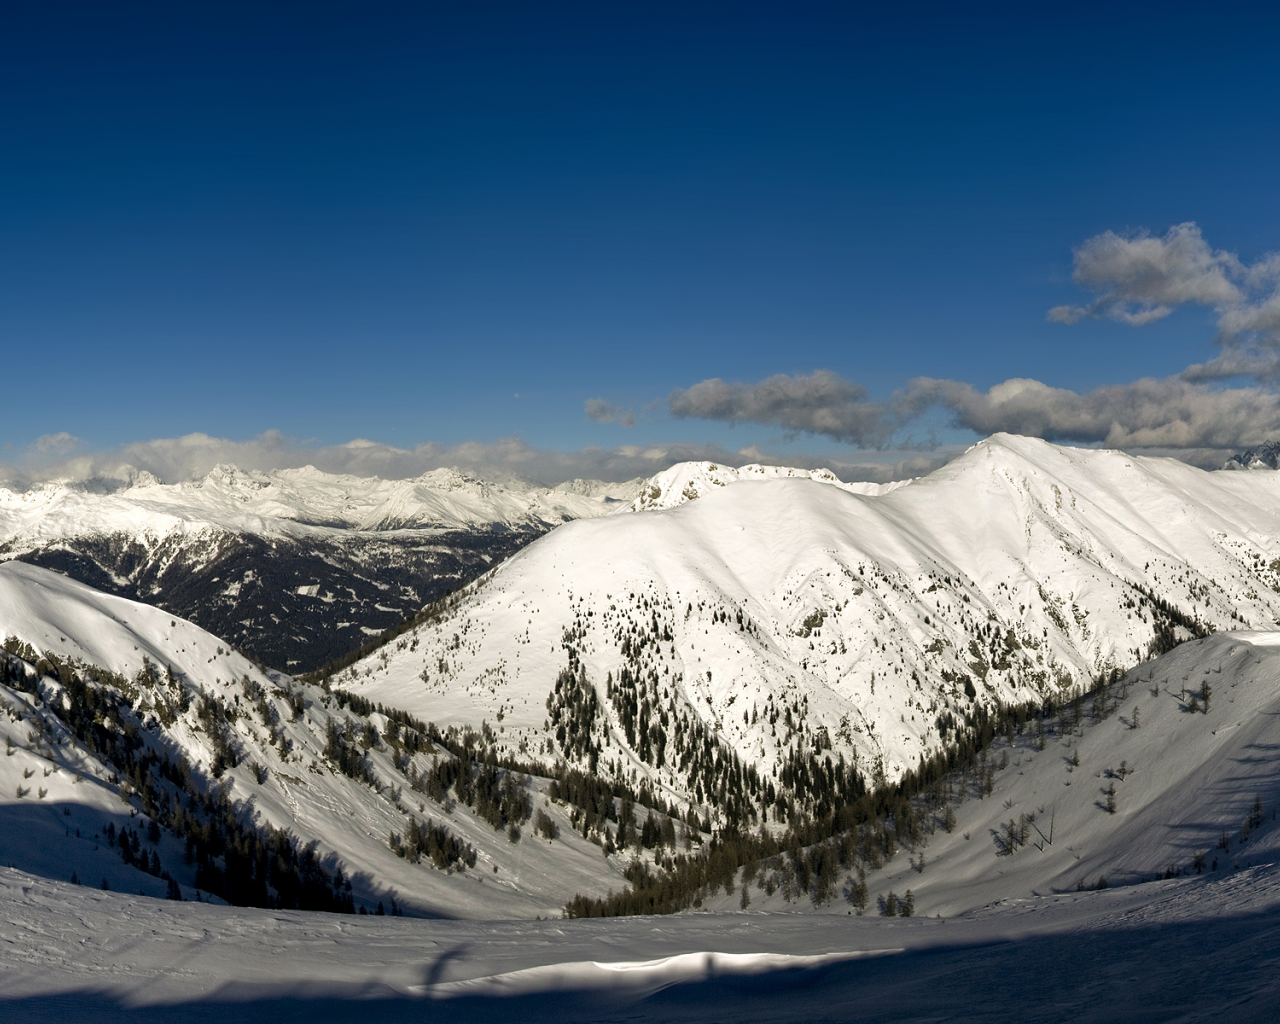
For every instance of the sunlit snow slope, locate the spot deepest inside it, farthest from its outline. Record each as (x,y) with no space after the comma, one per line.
(788,615)
(689,481)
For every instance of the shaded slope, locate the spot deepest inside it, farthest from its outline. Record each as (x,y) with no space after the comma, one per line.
(116,715)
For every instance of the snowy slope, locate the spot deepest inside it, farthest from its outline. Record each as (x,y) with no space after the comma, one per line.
(785,612)
(1185,950)
(57,796)
(1185,782)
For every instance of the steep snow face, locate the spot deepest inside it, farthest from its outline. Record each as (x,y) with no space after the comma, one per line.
(689,481)
(295,566)
(787,615)
(176,689)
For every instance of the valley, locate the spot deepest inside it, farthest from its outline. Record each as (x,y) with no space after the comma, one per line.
(770,696)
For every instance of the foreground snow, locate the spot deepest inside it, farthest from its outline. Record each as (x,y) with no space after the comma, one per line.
(1185,949)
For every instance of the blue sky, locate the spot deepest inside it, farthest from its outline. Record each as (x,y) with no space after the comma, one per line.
(387,221)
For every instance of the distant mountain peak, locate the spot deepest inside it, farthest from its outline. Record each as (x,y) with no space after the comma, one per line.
(1262,456)
(688,481)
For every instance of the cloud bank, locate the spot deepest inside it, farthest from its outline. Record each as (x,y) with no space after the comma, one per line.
(1166,413)
(1171,413)
(819,403)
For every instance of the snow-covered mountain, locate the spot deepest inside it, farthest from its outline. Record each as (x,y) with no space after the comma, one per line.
(688,481)
(294,566)
(786,618)
(115,715)
(1262,456)
(278,502)
(757,654)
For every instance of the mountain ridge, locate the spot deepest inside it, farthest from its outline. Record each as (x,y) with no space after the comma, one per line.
(1262,456)
(1016,572)
(296,566)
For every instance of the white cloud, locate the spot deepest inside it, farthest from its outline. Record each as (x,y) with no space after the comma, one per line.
(821,402)
(1168,413)
(1140,278)
(55,444)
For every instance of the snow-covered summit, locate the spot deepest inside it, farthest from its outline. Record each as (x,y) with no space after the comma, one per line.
(282,500)
(688,481)
(1262,456)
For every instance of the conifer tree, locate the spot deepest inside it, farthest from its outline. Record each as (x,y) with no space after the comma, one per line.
(856,893)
